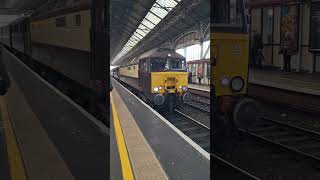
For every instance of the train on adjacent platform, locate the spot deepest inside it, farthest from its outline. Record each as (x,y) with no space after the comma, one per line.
(199,71)
(232,109)
(66,45)
(159,75)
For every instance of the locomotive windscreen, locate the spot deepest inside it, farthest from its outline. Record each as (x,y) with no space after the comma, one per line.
(159,64)
(228,15)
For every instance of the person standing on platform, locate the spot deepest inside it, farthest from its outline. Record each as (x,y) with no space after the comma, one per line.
(257,46)
(287,52)
(199,78)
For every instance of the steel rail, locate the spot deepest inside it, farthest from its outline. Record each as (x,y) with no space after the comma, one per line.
(236,168)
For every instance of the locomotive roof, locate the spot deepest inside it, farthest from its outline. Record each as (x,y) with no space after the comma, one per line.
(161,53)
(156,53)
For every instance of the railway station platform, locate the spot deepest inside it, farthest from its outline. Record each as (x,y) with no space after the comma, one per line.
(45,134)
(149,146)
(200,87)
(298,82)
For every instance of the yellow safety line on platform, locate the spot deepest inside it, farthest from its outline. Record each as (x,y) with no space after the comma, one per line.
(123,153)
(16,165)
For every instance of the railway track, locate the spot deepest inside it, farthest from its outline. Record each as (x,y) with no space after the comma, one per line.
(297,101)
(222,170)
(198,132)
(301,141)
(200,104)
(199,93)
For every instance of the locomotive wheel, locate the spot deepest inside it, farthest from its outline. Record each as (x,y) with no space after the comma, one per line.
(245,113)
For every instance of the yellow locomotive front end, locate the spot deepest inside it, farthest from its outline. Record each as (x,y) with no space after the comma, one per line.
(230,70)
(163,78)
(169,82)
(170,88)
(230,56)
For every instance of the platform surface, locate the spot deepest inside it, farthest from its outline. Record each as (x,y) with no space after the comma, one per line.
(57,139)
(200,87)
(4,163)
(115,162)
(176,156)
(299,82)
(143,162)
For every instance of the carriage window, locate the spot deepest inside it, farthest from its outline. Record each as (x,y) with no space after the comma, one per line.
(134,67)
(61,22)
(77,20)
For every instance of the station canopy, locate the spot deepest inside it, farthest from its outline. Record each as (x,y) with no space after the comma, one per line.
(158,11)
(140,25)
(18,7)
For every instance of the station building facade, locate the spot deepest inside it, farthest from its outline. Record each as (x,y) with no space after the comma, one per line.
(301,18)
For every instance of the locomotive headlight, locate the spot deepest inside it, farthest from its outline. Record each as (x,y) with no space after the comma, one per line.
(155,89)
(184,88)
(225,81)
(237,84)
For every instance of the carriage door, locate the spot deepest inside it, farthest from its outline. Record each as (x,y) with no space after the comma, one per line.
(99,45)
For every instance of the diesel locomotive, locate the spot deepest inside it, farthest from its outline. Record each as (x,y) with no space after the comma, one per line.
(159,75)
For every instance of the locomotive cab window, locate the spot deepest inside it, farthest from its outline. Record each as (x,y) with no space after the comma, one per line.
(178,64)
(158,65)
(228,16)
